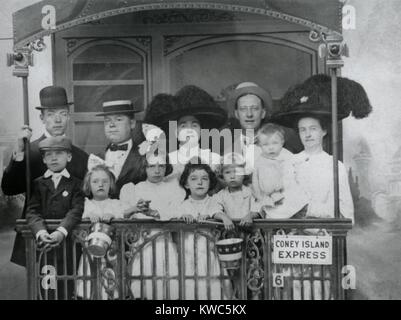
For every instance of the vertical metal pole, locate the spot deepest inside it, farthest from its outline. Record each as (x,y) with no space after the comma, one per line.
(334,124)
(26,141)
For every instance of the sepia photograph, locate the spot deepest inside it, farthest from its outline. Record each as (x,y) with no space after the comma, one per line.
(214,150)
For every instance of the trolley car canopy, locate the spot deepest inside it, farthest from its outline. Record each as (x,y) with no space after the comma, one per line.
(49,16)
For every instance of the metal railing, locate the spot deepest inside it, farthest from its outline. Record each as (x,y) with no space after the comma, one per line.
(173,260)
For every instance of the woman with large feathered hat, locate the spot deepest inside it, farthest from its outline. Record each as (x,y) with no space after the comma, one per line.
(182,117)
(307,108)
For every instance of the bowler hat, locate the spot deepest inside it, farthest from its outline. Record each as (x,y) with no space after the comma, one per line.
(312,98)
(55,143)
(53,97)
(246,88)
(118,107)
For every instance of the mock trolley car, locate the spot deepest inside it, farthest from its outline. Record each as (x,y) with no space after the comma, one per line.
(105,50)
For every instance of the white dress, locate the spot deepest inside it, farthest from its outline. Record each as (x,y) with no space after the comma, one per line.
(196,263)
(314,174)
(164,196)
(274,180)
(179,158)
(115,208)
(149,259)
(237,204)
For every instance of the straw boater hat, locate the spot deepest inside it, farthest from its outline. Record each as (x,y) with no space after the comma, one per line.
(189,101)
(53,97)
(313,98)
(246,88)
(118,107)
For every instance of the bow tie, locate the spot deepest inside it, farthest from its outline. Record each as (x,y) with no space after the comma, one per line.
(115,147)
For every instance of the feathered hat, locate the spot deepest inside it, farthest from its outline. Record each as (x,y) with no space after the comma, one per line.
(161,105)
(190,100)
(313,98)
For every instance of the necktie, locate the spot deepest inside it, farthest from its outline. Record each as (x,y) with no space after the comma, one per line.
(56,177)
(115,147)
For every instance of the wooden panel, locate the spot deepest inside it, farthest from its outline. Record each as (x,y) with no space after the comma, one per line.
(213,55)
(217,63)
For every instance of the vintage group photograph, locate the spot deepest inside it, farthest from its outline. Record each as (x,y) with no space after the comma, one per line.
(216,150)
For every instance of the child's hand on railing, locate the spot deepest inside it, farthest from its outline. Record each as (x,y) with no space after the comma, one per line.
(94,219)
(247,220)
(188,218)
(57,238)
(228,223)
(202,218)
(107,217)
(44,239)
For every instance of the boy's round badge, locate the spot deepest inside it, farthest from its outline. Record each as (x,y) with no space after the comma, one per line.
(65,193)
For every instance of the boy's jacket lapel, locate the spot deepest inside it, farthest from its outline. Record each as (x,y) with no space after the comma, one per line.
(48,182)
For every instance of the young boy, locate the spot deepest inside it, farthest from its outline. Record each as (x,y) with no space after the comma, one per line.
(235,200)
(56,195)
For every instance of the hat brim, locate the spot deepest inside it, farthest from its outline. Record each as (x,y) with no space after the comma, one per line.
(257,91)
(290,119)
(209,118)
(118,112)
(54,149)
(55,107)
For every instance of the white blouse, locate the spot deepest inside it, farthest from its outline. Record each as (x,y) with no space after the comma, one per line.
(164,196)
(314,173)
(205,207)
(114,207)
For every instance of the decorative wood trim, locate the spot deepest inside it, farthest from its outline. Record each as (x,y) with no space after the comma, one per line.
(319,29)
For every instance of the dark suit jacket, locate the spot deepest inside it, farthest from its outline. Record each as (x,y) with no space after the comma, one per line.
(133,169)
(292,141)
(65,203)
(13,183)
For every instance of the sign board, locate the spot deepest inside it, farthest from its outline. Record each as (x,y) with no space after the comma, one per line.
(302,249)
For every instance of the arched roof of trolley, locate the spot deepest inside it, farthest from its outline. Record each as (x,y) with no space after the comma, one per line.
(320,16)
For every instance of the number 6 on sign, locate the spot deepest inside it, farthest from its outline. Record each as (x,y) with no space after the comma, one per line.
(278,280)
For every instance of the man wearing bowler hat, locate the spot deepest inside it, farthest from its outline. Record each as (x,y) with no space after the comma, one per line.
(122,155)
(252,106)
(54,113)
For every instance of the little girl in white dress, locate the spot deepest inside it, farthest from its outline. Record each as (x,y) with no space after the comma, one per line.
(199,252)
(161,197)
(99,184)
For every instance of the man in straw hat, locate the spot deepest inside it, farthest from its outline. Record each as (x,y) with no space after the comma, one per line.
(54,113)
(252,106)
(122,154)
